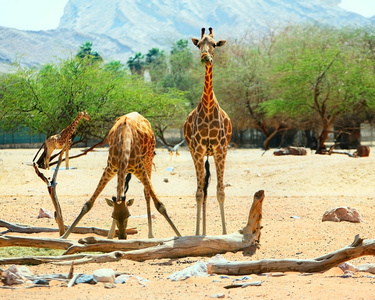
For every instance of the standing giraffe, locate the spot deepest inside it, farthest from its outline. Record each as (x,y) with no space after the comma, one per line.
(58,141)
(207,132)
(131,150)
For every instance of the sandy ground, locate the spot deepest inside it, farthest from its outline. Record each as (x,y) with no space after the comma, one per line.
(304,187)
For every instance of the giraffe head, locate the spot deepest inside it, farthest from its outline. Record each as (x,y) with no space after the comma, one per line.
(120,214)
(207,45)
(85,115)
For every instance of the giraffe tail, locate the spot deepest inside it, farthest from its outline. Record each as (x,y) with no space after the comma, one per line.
(124,157)
(206,177)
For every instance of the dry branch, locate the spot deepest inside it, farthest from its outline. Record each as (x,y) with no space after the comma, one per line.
(358,248)
(80,230)
(51,187)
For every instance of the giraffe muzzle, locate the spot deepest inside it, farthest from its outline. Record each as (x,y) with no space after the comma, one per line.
(205,57)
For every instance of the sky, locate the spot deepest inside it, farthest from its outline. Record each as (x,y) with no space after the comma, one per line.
(46,14)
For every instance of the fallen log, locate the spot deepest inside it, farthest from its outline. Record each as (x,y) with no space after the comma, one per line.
(14,241)
(93,244)
(323,263)
(175,247)
(79,230)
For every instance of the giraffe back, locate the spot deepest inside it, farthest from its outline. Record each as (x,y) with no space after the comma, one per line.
(142,142)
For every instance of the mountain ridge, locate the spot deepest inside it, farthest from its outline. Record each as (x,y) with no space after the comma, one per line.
(119,28)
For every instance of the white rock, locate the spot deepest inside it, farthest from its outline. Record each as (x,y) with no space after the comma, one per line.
(104,275)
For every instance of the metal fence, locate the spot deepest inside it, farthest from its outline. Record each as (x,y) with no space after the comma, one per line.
(249,138)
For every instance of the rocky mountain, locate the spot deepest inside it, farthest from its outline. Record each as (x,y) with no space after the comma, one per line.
(118,28)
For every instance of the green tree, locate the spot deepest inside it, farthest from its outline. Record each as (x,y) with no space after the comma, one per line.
(87,53)
(47,99)
(315,79)
(136,64)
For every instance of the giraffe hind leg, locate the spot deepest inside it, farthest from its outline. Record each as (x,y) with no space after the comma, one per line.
(205,187)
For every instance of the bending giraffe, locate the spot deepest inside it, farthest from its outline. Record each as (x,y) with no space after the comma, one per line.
(131,150)
(58,141)
(207,132)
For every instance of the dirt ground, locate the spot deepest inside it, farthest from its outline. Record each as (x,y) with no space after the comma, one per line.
(298,191)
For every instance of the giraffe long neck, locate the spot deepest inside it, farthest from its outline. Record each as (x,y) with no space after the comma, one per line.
(72,127)
(208,92)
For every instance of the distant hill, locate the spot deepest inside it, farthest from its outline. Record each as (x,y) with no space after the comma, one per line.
(119,28)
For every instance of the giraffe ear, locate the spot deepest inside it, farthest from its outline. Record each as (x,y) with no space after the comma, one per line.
(109,202)
(130,202)
(195,41)
(220,43)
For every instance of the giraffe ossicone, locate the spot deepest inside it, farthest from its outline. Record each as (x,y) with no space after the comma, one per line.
(207,132)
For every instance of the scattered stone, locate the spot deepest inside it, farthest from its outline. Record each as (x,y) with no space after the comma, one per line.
(41,282)
(244,278)
(199,269)
(84,278)
(166,179)
(370,268)
(109,285)
(219,295)
(104,275)
(295,217)
(343,213)
(44,213)
(14,275)
(347,266)
(347,274)
(121,279)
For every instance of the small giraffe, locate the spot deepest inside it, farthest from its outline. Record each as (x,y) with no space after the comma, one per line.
(131,150)
(58,141)
(207,132)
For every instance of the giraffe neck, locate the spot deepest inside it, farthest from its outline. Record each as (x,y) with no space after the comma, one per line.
(72,127)
(208,92)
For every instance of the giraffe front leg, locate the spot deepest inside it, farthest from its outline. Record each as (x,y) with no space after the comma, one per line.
(149,219)
(85,209)
(199,196)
